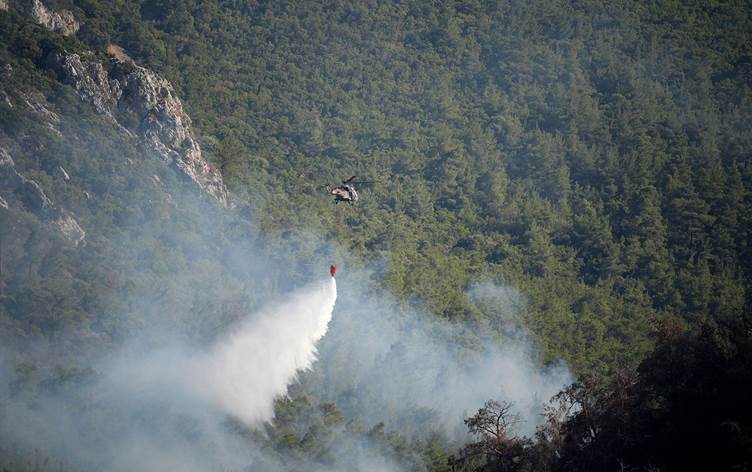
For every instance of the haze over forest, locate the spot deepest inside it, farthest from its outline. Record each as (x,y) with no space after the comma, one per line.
(549,268)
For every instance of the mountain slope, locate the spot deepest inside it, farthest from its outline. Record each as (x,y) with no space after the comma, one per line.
(164,163)
(594,156)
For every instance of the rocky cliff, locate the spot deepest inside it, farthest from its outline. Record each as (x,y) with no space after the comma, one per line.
(61,21)
(154,112)
(15,187)
(139,102)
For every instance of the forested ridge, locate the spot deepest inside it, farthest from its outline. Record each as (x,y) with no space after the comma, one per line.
(595,157)
(595,153)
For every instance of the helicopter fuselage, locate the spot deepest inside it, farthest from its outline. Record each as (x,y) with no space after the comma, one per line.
(344,193)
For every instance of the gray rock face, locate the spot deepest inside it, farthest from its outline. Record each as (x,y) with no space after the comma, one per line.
(166,127)
(62,21)
(35,200)
(70,228)
(5,99)
(33,102)
(29,190)
(90,80)
(3,5)
(159,118)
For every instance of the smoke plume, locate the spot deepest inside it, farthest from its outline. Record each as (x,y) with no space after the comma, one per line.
(418,374)
(168,409)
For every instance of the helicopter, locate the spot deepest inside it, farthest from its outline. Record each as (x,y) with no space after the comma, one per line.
(345,192)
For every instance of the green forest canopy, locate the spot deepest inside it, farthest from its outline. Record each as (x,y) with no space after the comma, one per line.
(596,157)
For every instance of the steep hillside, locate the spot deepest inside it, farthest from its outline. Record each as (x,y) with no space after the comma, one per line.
(562,177)
(104,189)
(594,157)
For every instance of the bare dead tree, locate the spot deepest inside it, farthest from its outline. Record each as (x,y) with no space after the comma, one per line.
(492,422)
(497,448)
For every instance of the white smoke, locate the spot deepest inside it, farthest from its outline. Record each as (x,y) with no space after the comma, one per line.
(168,409)
(252,366)
(418,374)
(244,371)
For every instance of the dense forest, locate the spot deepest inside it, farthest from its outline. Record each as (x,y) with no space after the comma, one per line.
(596,154)
(596,157)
